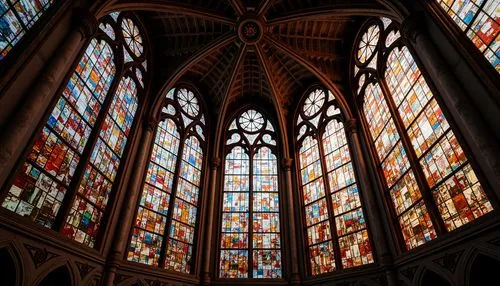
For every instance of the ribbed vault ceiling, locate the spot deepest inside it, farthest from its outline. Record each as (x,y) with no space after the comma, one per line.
(317,32)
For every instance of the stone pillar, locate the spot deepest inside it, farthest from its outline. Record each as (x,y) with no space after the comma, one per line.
(485,147)
(374,217)
(207,244)
(130,204)
(294,261)
(23,123)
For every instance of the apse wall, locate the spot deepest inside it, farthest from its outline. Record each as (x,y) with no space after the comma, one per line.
(168,213)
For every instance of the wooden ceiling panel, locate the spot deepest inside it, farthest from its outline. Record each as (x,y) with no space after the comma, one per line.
(285,8)
(250,81)
(297,33)
(184,34)
(288,75)
(221,6)
(213,72)
(321,39)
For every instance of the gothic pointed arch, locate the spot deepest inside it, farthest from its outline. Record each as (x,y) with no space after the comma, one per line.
(165,230)
(11,267)
(482,270)
(250,242)
(67,177)
(60,276)
(426,174)
(335,225)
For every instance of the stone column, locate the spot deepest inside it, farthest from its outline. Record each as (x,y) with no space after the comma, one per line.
(130,204)
(294,261)
(207,244)
(374,217)
(485,147)
(23,123)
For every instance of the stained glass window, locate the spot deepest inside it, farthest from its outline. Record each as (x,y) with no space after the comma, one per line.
(337,234)
(40,185)
(17,17)
(480,20)
(250,244)
(164,230)
(403,188)
(410,110)
(85,216)
(437,149)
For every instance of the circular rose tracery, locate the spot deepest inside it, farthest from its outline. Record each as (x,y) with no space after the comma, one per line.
(251,121)
(314,102)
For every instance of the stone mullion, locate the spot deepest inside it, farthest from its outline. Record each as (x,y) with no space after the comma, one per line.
(379,238)
(42,93)
(173,196)
(294,261)
(425,191)
(71,192)
(207,244)
(129,209)
(250,213)
(329,202)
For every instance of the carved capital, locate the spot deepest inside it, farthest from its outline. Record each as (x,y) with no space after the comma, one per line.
(287,164)
(86,23)
(215,163)
(351,125)
(412,27)
(149,123)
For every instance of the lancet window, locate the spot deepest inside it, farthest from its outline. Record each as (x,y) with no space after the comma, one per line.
(429,181)
(335,223)
(250,240)
(67,179)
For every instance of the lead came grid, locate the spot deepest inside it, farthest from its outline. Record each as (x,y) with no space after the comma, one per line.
(147,234)
(460,200)
(41,184)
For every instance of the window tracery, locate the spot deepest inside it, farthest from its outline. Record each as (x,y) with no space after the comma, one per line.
(423,165)
(66,180)
(337,234)
(165,227)
(132,36)
(250,242)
